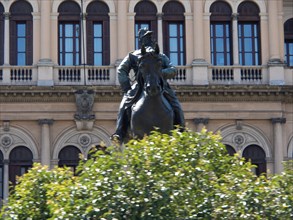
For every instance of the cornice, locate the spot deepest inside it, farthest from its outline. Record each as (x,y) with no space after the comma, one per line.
(209,93)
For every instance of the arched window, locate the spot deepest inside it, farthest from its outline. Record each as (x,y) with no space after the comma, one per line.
(21,33)
(69,33)
(1,37)
(257,156)
(69,157)
(145,17)
(1,175)
(231,151)
(249,34)
(98,34)
(174,32)
(20,160)
(221,34)
(288,32)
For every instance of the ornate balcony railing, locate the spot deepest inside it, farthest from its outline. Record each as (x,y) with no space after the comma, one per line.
(238,75)
(106,75)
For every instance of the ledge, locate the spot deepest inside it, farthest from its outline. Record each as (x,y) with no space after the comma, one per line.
(207,93)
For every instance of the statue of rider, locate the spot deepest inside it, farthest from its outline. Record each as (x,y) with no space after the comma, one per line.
(130,62)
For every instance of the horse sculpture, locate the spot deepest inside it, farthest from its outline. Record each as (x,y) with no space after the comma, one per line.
(151,109)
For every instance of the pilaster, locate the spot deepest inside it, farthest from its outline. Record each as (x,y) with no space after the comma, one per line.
(278,143)
(45,141)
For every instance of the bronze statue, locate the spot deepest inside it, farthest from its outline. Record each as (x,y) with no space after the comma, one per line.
(131,91)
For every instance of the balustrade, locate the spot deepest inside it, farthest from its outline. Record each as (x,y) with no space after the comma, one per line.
(106,75)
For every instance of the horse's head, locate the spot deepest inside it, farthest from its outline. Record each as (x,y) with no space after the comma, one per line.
(150,70)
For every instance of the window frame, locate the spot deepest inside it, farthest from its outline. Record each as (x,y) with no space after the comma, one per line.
(255,49)
(98,13)
(288,40)
(173,13)
(227,49)
(76,51)
(221,14)
(248,14)
(21,12)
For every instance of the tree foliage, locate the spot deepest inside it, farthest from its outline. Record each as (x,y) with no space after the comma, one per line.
(185,175)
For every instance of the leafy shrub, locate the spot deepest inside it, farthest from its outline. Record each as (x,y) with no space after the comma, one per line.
(186,175)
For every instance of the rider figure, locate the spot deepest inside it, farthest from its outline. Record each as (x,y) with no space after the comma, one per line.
(130,62)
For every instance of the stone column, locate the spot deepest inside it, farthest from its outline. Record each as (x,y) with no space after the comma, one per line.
(198,31)
(199,64)
(278,144)
(122,29)
(160,30)
(235,38)
(45,64)
(6,69)
(83,39)
(274,31)
(45,141)
(276,66)
(6,38)
(45,46)
(5,180)
(201,123)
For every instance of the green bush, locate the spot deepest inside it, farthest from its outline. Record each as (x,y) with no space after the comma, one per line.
(186,175)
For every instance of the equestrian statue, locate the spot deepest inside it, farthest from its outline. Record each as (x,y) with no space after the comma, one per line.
(150,102)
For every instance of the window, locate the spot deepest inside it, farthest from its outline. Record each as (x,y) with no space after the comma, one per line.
(69,157)
(288,32)
(176,43)
(69,44)
(20,44)
(21,34)
(145,17)
(221,39)
(1,36)
(20,161)
(174,32)
(248,34)
(69,34)
(98,34)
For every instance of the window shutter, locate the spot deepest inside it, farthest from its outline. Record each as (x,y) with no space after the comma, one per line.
(29,42)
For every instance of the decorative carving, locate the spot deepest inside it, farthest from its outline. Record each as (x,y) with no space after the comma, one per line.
(6,141)
(84,105)
(239,139)
(84,140)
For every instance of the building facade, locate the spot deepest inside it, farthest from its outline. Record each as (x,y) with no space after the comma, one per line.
(234,63)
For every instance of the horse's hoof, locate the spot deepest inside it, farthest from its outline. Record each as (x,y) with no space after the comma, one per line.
(116,138)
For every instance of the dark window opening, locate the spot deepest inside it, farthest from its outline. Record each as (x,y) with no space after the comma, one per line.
(288,45)
(256,156)
(20,161)
(69,157)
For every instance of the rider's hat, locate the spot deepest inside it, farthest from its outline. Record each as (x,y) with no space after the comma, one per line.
(143,32)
